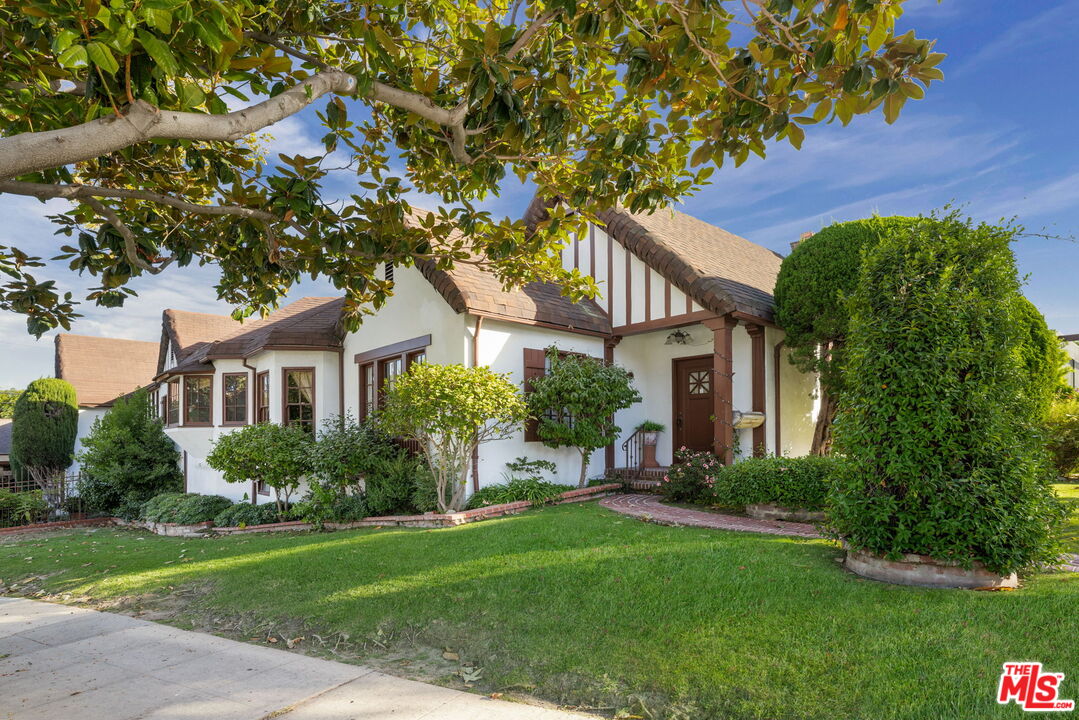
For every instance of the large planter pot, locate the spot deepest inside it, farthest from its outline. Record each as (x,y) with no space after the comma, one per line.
(767,511)
(925,571)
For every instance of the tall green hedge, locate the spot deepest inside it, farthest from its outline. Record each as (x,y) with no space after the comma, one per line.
(940,421)
(45,424)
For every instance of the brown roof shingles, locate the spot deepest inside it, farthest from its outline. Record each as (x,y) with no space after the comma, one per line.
(5,436)
(102,369)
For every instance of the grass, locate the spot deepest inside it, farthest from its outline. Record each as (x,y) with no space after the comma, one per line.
(578,605)
(1070,493)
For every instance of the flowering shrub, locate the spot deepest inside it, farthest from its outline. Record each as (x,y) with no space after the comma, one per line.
(693,478)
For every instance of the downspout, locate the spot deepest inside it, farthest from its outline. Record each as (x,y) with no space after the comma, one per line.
(778,401)
(475,363)
(251,400)
(341,384)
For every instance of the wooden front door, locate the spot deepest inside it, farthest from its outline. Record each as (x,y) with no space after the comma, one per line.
(693,403)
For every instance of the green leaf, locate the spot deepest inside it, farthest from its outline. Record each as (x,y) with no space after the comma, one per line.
(74,57)
(101,56)
(158,51)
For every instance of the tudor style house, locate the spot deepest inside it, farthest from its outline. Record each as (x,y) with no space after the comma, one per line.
(685,306)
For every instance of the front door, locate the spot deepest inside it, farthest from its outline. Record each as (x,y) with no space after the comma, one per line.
(693,403)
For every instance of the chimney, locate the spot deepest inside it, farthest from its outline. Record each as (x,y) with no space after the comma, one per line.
(803,236)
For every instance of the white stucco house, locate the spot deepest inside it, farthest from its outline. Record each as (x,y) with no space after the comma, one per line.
(685,306)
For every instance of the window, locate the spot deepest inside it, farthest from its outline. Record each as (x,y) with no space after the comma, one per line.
(172,414)
(380,368)
(299,406)
(388,370)
(262,397)
(234,398)
(368,390)
(198,399)
(416,357)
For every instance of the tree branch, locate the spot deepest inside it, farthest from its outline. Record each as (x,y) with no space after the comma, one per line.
(36,151)
(131,247)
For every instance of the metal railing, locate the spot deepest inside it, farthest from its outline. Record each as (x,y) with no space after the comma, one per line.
(24,501)
(633,448)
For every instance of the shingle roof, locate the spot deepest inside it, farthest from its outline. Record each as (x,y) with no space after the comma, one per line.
(190,331)
(308,323)
(5,436)
(102,369)
(721,271)
(1070,338)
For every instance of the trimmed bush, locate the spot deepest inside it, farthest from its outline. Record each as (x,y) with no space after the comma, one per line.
(532,489)
(691,480)
(347,451)
(45,423)
(277,455)
(941,423)
(184,509)
(127,459)
(245,514)
(795,483)
(391,484)
(1062,427)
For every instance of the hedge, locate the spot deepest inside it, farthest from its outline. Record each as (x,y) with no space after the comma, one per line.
(796,483)
(183,509)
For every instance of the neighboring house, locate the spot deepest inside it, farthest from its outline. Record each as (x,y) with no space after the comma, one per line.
(102,370)
(5,450)
(685,306)
(1071,347)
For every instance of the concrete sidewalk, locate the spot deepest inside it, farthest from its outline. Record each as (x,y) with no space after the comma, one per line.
(59,662)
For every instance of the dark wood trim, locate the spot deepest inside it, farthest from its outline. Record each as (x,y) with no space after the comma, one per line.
(723,388)
(610,276)
(663,323)
(608,357)
(398,348)
(666,298)
(576,251)
(629,286)
(362,370)
(777,417)
(183,400)
(284,394)
(752,319)
(179,401)
(689,304)
(258,392)
(647,293)
(592,250)
(759,394)
(245,376)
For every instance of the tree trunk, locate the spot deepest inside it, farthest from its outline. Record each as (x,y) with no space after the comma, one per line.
(582,481)
(822,433)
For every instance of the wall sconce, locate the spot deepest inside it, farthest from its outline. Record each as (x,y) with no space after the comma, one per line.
(678,337)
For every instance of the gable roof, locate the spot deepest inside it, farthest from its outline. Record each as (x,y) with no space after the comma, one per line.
(310,323)
(189,331)
(102,369)
(5,436)
(720,270)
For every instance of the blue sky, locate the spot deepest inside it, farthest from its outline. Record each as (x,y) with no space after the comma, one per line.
(997,137)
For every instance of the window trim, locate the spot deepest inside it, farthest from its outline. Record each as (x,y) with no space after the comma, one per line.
(406,351)
(284,395)
(225,422)
(184,404)
(364,411)
(173,384)
(259,377)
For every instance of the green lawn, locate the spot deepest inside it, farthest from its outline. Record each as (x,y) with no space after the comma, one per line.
(582,606)
(1070,493)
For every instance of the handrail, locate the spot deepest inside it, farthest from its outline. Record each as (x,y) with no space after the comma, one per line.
(633,448)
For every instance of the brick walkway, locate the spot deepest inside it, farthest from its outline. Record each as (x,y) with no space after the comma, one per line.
(648,507)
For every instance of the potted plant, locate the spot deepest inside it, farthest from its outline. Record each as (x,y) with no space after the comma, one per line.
(649,431)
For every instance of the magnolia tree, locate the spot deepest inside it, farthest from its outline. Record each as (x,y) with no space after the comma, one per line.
(575,401)
(278,456)
(145,114)
(450,410)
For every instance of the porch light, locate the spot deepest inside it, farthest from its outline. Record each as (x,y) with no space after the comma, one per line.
(678,337)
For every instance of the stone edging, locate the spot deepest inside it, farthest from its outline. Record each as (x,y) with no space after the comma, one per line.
(925,571)
(769,511)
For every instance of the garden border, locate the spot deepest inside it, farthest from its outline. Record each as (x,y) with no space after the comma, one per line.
(58,525)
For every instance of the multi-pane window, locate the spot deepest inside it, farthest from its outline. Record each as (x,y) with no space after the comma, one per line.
(389,369)
(262,397)
(368,390)
(172,403)
(234,398)
(299,406)
(198,399)
(417,357)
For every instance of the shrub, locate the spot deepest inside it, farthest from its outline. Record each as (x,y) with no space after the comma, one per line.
(346,451)
(391,484)
(277,455)
(796,483)
(184,508)
(940,427)
(324,504)
(1063,435)
(692,478)
(532,489)
(45,423)
(246,514)
(127,458)
(450,410)
(22,508)
(575,403)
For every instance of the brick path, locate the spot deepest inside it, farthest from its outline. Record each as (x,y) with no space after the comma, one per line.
(648,507)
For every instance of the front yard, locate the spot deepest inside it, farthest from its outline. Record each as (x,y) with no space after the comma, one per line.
(578,605)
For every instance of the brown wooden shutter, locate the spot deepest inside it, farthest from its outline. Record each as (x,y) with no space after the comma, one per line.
(535,367)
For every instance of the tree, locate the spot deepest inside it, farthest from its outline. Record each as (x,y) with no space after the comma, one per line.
(575,402)
(278,456)
(127,458)
(451,410)
(142,115)
(812,289)
(44,426)
(941,419)
(7,402)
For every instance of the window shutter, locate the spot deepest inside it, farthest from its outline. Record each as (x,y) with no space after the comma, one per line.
(534,367)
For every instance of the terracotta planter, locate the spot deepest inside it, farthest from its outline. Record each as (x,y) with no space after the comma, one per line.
(925,571)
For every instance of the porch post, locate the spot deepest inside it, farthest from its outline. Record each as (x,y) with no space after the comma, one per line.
(723,386)
(756,337)
(609,345)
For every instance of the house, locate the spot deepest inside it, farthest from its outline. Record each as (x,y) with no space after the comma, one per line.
(1071,348)
(684,305)
(102,370)
(5,450)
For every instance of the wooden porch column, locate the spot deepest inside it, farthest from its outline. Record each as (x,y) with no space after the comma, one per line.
(756,337)
(722,386)
(609,345)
